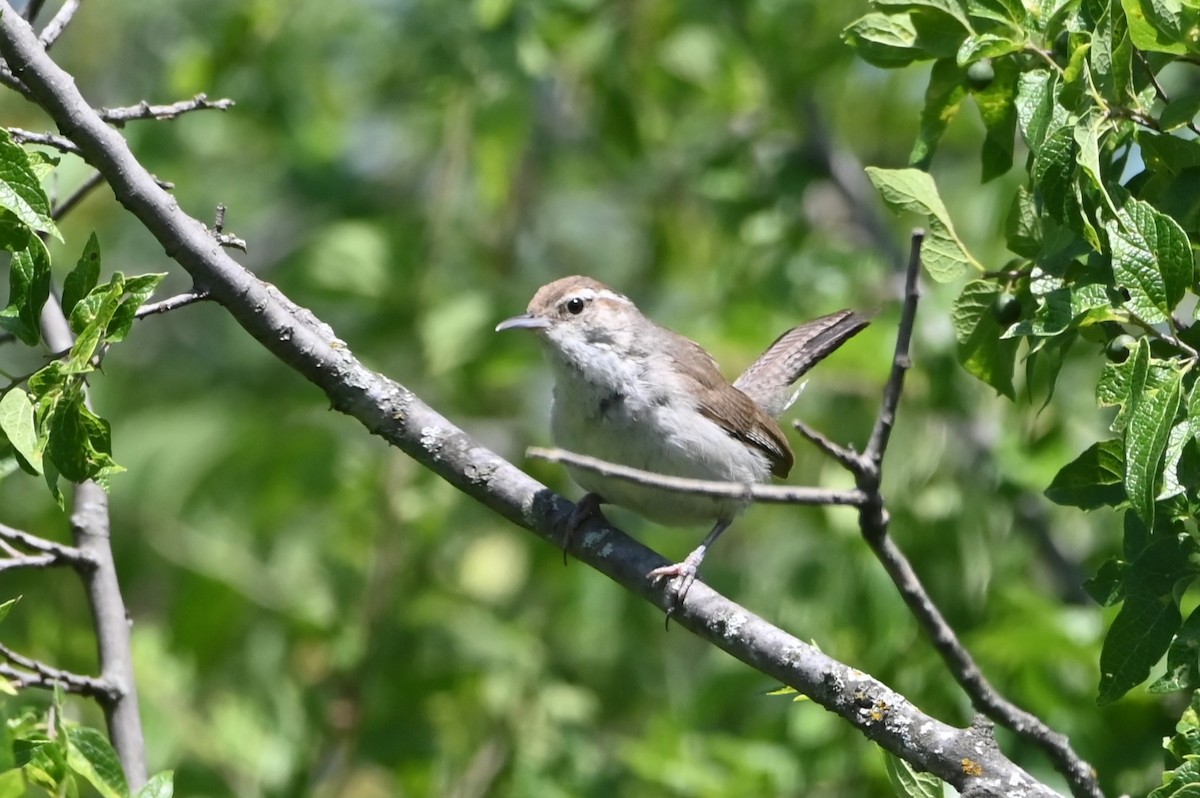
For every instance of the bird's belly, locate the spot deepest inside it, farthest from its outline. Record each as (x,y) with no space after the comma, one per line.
(664,440)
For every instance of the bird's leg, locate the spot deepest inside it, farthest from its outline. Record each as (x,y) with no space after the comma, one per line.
(585,509)
(686,570)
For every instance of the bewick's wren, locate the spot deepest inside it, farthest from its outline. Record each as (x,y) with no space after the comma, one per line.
(631,392)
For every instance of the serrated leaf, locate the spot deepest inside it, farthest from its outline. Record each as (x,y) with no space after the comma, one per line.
(982,350)
(1183,659)
(1093,479)
(883,40)
(1151,258)
(943,97)
(1150,424)
(1035,106)
(944,255)
(29,288)
(17,424)
(1153,28)
(160,785)
(83,277)
(908,783)
(20,188)
(90,755)
(998,111)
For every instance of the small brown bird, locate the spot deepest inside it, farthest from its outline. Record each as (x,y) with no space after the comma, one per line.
(631,392)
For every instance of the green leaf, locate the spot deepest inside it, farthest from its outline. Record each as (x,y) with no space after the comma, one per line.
(160,785)
(1183,659)
(987,45)
(12,784)
(908,783)
(137,291)
(80,442)
(1107,587)
(982,350)
(943,98)
(1181,110)
(90,320)
(1148,620)
(20,188)
(1153,27)
(998,110)
(944,255)
(6,607)
(1150,424)
(1152,259)
(1093,479)
(1036,109)
(17,424)
(1088,132)
(1177,441)
(91,756)
(83,277)
(28,290)
(1023,227)
(884,40)
(1054,175)
(1111,54)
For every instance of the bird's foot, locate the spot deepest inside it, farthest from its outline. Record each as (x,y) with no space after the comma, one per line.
(683,575)
(586,509)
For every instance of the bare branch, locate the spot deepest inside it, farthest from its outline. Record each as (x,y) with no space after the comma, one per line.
(171,303)
(60,143)
(34,673)
(765,494)
(57,553)
(847,458)
(58,23)
(77,196)
(144,110)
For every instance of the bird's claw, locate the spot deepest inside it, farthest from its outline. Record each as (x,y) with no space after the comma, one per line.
(682,574)
(585,509)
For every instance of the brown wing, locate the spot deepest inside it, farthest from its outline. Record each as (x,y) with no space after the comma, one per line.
(734,411)
(768,378)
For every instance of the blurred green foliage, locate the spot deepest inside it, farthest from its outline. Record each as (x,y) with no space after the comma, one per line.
(315,615)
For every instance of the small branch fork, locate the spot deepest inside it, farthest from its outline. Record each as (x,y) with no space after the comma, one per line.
(23,550)
(873,520)
(25,671)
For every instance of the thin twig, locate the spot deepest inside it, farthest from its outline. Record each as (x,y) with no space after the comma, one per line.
(900,362)
(59,551)
(60,143)
(58,23)
(846,457)
(77,196)
(873,520)
(765,494)
(36,673)
(144,110)
(171,303)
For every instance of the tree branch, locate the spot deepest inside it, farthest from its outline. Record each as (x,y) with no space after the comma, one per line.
(764,494)
(58,23)
(54,553)
(77,196)
(144,110)
(35,673)
(171,303)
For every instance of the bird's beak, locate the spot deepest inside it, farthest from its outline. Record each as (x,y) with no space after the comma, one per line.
(526,321)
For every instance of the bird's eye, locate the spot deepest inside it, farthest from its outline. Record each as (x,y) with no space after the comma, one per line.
(574,306)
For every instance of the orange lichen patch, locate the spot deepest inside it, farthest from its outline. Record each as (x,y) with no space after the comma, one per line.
(971,767)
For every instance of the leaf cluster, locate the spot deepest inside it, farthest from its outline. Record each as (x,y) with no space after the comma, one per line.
(1101,231)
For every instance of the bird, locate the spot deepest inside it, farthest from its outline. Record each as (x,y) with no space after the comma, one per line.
(630,391)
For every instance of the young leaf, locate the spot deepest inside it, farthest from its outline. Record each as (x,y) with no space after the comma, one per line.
(982,350)
(137,291)
(160,785)
(29,288)
(7,606)
(1183,659)
(1150,424)
(20,189)
(90,755)
(908,783)
(1093,479)
(1151,257)
(912,190)
(17,424)
(943,97)
(83,277)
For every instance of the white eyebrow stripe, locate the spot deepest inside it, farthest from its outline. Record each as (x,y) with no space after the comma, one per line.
(591,293)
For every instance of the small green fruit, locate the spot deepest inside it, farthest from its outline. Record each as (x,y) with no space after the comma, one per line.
(1006,309)
(980,75)
(1118,349)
